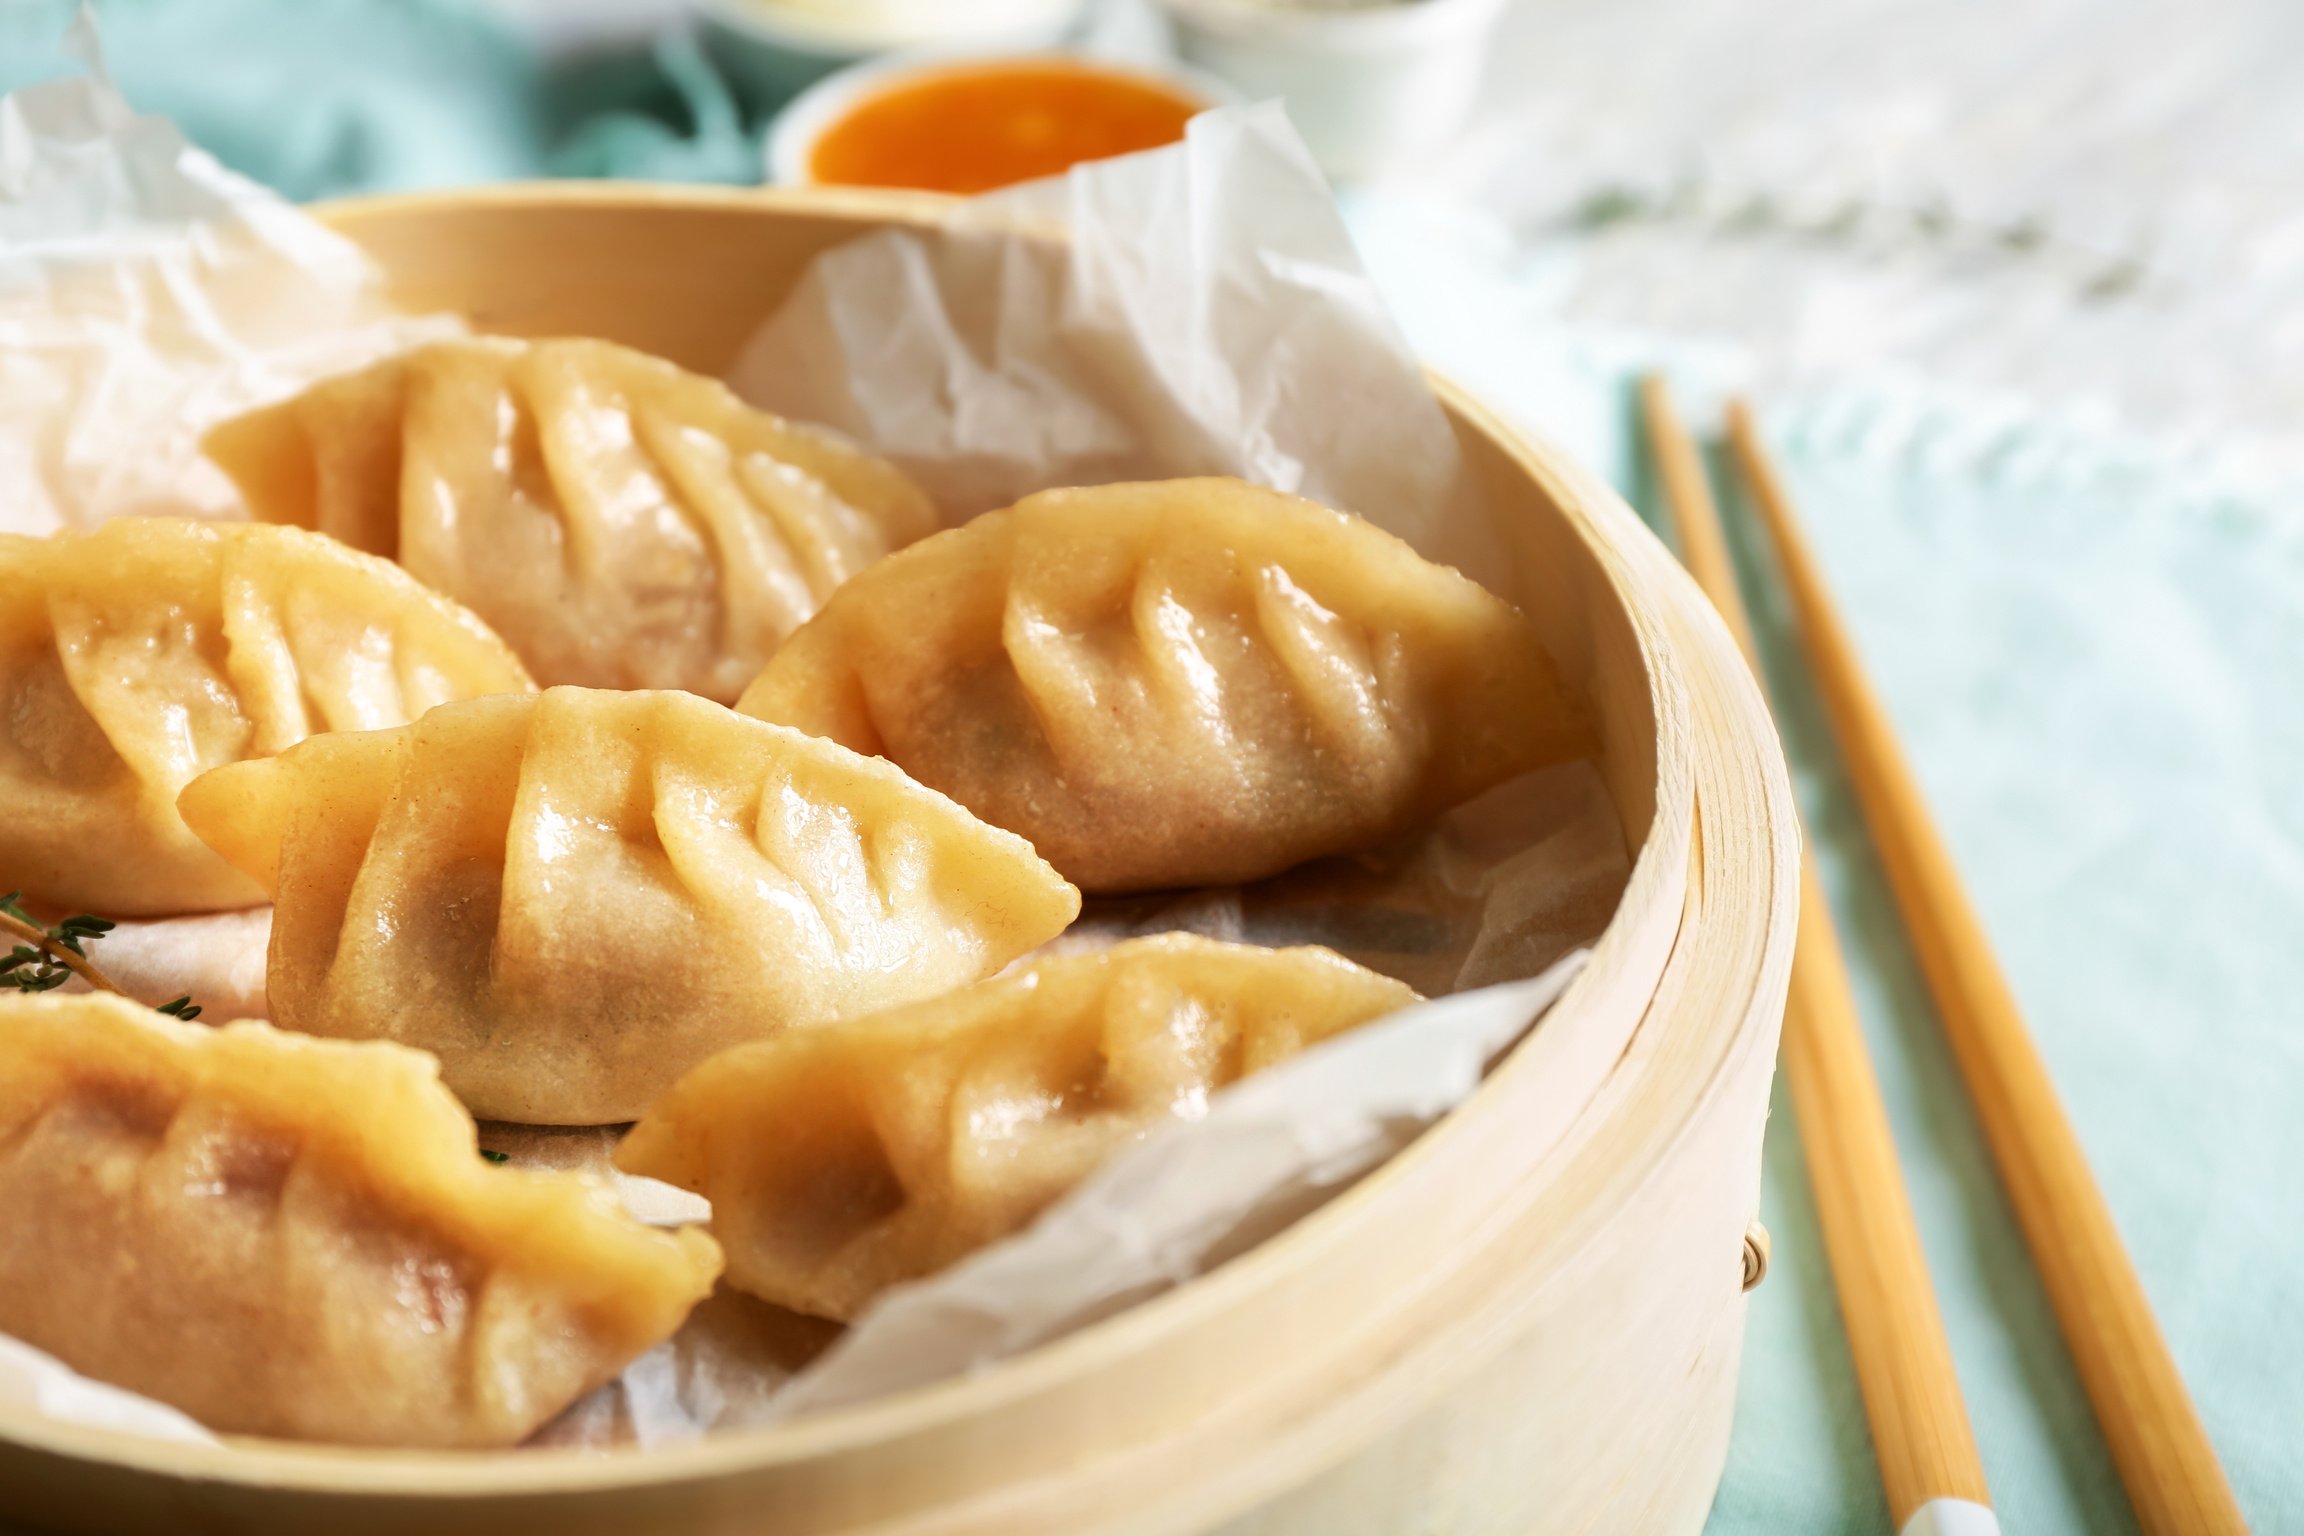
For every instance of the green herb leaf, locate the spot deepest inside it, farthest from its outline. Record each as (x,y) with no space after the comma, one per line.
(495,1157)
(58,953)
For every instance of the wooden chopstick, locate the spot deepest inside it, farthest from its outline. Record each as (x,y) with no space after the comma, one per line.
(2158,1443)
(1920,1431)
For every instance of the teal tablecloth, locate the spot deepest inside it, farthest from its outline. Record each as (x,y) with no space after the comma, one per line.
(325,98)
(2090,654)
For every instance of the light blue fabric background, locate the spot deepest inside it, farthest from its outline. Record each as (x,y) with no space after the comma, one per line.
(2089,651)
(327,98)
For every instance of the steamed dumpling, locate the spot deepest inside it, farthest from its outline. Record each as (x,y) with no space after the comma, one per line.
(298,1238)
(623,523)
(1189,682)
(135,657)
(841,1160)
(573,897)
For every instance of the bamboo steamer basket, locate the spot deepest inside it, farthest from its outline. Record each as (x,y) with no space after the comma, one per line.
(1527,1322)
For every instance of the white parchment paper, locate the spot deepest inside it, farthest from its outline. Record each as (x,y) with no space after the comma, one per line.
(1206,314)
(30,1379)
(1193,311)
(216,958)
(147,293)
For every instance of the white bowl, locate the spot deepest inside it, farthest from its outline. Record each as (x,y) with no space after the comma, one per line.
(773,48)
(793,135)
(1370,87)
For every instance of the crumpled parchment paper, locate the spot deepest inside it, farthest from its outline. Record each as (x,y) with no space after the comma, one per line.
(147,293)
(1198,310)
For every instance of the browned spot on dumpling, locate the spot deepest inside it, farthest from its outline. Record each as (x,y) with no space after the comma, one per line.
(250,1163)
(840,1184)
(120,1108)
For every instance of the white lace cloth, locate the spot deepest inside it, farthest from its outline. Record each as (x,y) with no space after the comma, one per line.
(2091,202)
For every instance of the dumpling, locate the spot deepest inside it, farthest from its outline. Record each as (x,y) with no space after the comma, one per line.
(573,897)
(1187,682)
(298,1238)
(623,523)
(135,657)
(842,1160)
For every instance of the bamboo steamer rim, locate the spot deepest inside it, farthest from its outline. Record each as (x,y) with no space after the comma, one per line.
(1670,858)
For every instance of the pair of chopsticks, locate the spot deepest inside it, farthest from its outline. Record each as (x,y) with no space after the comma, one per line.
(1926,1449)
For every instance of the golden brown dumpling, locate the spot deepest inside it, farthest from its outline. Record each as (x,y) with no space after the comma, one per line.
(623,523)
(841,1160)
(573,897)
(295,1237)
(1187,682)
(135,657)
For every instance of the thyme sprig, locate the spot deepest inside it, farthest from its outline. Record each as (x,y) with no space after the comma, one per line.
(49,956)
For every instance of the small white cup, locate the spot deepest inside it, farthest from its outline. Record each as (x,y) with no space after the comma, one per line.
(1369,87)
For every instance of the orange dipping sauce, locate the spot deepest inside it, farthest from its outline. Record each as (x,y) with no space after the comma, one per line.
(977,126)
